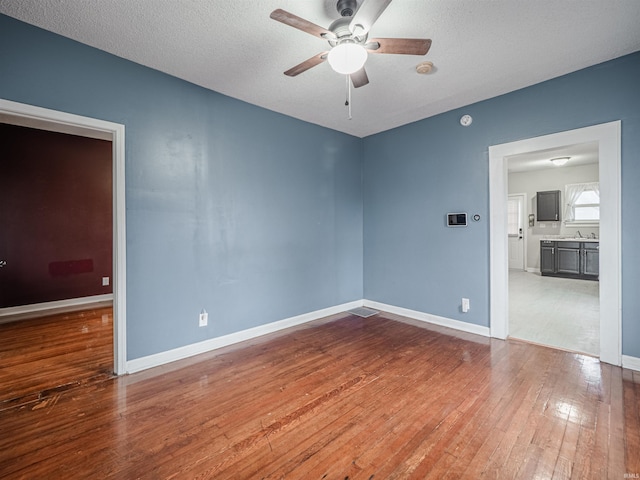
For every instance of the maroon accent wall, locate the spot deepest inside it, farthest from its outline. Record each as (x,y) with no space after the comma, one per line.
(55,216)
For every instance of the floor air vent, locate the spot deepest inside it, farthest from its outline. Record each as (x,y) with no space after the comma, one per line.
(363,312)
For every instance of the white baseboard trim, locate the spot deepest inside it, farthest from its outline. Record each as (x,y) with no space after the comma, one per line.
(428,318)
(180,353)
(57,305)
(533,270)
(632,363)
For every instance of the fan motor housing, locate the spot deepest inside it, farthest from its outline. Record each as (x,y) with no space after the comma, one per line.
(340,28)
(346,8)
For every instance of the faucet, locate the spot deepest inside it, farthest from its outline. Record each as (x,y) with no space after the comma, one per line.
(578,235)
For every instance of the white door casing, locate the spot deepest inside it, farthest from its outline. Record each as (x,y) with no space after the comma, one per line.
(608,136)
(36,117)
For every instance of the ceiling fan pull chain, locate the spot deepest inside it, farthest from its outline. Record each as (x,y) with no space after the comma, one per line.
(348,101)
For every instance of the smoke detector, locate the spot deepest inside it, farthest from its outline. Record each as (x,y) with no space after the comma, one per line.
(424,68)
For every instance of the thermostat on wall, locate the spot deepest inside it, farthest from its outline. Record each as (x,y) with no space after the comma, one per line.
(456,219)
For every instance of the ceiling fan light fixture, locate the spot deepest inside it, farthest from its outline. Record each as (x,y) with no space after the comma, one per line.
(347,58)
(559,161)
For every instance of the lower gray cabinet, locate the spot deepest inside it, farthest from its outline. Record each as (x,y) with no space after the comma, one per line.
(547,257)
(591,259)
(570,259)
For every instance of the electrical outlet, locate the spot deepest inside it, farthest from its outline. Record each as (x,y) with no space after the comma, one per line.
(105,281)
(204,319)
(465,305)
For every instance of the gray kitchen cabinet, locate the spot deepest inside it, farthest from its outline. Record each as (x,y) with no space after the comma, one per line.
(547,257)
(548,206)
(570,259)
(591,259)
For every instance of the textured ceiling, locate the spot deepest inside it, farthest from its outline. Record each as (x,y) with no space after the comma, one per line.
(580,154)
(481,49)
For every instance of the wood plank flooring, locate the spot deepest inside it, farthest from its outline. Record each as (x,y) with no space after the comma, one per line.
(53,353)
(343,397)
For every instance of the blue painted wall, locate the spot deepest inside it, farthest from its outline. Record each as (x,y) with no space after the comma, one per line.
(257,217)
(250,214)
(415,174)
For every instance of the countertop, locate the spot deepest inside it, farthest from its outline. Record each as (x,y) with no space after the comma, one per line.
(571,239)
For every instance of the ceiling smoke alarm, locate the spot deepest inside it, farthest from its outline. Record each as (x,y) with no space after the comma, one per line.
(424,68)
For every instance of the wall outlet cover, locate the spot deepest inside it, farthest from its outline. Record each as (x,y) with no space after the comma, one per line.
(465,305)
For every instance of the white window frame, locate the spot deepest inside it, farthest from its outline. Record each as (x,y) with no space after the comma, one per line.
(569,213)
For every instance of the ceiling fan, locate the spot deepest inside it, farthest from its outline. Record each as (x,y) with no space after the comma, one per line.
(348,39)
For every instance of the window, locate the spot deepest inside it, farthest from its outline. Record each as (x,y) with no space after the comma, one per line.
(513,217)
(583,203)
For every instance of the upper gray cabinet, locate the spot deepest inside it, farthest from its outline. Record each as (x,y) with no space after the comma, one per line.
(548,206)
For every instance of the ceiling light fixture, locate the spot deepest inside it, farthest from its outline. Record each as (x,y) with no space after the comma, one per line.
(559,161)
(347,57)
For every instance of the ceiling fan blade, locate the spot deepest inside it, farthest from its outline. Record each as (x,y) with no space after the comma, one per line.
(367,15)
(301,24)
(407,46)
(359,78)
(306,65)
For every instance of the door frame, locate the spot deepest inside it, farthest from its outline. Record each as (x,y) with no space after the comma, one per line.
(608,136)
(52,120)
(525,229)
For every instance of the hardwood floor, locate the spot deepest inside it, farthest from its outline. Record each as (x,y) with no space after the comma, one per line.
(53,353)
(340,398)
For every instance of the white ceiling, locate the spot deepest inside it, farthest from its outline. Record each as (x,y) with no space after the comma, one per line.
(481,49)
(579,154)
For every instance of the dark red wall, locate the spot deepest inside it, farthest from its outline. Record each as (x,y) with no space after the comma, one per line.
(55,216)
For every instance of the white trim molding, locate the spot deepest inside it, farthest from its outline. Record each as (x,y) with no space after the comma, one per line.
(429,318)
(44,119)
(632,363)
(180,353)
(58,305)
(608,136)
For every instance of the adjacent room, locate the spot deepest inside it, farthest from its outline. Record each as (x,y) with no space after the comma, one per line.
(319,239)
(554,232)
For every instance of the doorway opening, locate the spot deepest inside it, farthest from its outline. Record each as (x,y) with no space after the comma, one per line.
(50,120)
(554,292)
(607,137)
